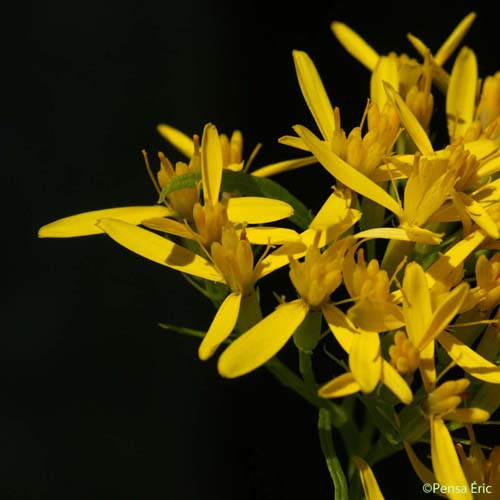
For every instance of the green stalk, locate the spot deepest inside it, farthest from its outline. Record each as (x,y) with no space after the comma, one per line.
(331,459)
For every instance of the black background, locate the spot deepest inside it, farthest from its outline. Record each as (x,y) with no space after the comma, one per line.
(97,402)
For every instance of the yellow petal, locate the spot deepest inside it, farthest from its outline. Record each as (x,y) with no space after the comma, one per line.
(257,210)
(221,327)
(376,316)
(85,224)
(417,309)
(365,360)
(178,139)
(294,142)
(158,249)
(461,95)
(340,386)
(370,485)
(259,344)
(284,166)
(469,360)
(279,258)
(396,383)
(410,122)
(445,461)
(419,46)
(456,36)
(423,472)
(355,45)
(345,173)
(211,163)
(340,325)
(270,235)
(406,233)
(168,226)
(314,93)
(444,314)
(489,167)
(479,215)
(468,415)
(386,70)
(452,258)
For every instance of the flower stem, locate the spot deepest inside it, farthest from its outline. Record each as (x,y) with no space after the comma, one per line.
(332,461)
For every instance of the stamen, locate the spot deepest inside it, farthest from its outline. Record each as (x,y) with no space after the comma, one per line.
(150,172)
(252,156)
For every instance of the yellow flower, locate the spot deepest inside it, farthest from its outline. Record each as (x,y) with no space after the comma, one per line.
(442,404)
(363,152)
(232,152)
(315,279)
(465,118)
(229,262)
(209,217)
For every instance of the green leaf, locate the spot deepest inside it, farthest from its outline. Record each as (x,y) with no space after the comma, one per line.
(245,185)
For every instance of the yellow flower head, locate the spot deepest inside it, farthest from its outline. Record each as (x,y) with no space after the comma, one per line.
(404,355)
(233,257)
(316,278)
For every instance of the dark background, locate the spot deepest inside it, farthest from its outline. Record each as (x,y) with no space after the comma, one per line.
(97,401)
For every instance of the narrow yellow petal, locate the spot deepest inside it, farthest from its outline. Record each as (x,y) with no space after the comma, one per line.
(211,163)
(469,360)
(345,173)
(376,316)
(293,142)
(370,485)
(158,249)
(168,226)
(444,314)
(406,233)
(396,383)
(489,167)
(178,139)
(445,461)
(468,415)
(257,210)
(423,472)
(85,224)
(279,258)
(340,325)
(461,95)
(355,45)
(455,256)
(270,235)
(314,93)
(417,308)
(386,70)
(479,215)
(259,344)
(365,360)
(456,36)
(221,327)
(410,122)
(284,166)
(343,385)
(481,148)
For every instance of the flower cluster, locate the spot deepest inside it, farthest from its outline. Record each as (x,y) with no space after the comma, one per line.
(400,264)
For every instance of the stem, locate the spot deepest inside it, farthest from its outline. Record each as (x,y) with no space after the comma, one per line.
(332,461)
(289,379)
